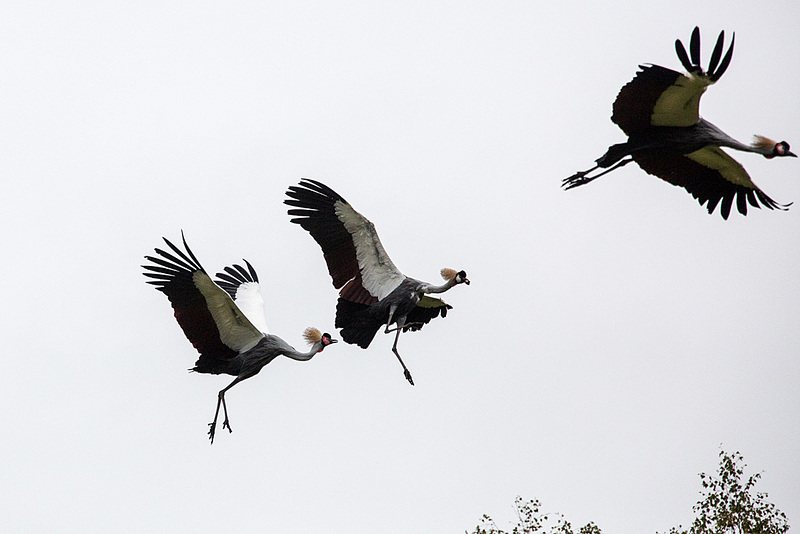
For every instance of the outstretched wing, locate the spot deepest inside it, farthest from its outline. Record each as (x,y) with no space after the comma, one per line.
(356,260)
(426,309)
(636,100)
(711,176)
(662,97)
(658,96)
(208,316)
(243,287)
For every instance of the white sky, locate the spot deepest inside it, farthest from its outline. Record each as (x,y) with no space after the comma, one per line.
(613,337)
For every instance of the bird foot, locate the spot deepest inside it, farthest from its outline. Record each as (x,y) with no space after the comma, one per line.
(227,424)
(212,427)
(579,178)
(408,377)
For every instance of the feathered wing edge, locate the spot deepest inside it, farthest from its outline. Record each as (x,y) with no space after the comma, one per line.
(658,96)
(243,287)
(427,308)
(633,108)
(356,259)
(694,67)
(707,184)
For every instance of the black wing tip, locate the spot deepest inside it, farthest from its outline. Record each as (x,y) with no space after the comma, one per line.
(166,266)
(715,72)
(236,274)
(309,187)
(726,61)
(742,198)
(250,268)
(310,199)
(716,68)
(691,60)
(683,56)
(716,54)
(694,46)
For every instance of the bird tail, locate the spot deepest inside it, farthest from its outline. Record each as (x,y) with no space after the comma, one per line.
(359,322)
(212,366)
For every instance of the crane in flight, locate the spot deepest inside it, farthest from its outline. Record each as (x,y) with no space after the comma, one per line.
(373,291)
(659,112)
(224,320)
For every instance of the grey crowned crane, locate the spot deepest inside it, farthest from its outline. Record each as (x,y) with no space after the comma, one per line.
(224,320)
(659,111)
(373,291)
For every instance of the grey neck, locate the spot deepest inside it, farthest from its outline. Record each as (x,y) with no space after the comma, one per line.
(304,356)
(428,288)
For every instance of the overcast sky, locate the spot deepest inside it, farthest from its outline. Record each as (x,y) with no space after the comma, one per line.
(614,337)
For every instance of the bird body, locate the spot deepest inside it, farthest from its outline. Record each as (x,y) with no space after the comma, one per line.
(210,314)
(659,111)
(409,300)
(690,141)
(248,363)
(373,291)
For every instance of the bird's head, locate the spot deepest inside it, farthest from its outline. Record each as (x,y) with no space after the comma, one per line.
(457,277)
(782,149)
(314,336)
(771,149)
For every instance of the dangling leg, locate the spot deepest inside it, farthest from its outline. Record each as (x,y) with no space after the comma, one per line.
(221,400)
(399,329)
(225,423)
(392,309)
(580,178)
(400,322)
(212,427)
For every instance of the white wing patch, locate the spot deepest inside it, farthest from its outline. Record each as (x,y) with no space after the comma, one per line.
(235,329)
(730,169)
(679,105)
(249,300)
(379,275)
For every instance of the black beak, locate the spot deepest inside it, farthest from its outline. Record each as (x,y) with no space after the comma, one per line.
(792,154)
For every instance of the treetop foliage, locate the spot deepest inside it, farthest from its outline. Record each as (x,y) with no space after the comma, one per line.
(728,505)
(530,520)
